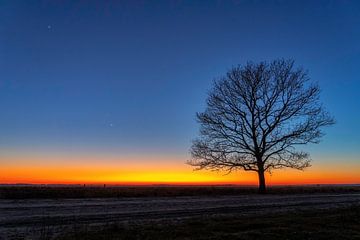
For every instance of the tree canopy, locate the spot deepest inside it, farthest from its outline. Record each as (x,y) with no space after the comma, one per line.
(255,118)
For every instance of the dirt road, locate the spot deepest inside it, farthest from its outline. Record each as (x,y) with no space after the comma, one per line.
(21,215)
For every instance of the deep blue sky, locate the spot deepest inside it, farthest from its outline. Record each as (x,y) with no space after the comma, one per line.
(128,76)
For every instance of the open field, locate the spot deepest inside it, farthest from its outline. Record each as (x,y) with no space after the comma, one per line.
(61,192)
(50,218)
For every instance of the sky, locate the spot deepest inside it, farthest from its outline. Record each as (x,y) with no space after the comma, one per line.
(107,91)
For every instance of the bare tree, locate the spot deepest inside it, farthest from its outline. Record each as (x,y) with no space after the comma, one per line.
(256,116)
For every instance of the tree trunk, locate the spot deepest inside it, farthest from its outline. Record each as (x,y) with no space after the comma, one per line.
(261,174)
(262,184)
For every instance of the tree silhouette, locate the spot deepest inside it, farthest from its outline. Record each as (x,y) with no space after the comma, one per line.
(255,118)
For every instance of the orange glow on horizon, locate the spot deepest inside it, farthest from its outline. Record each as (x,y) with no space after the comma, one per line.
(138,171)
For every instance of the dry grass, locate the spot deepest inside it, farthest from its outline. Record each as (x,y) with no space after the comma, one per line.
(343,223)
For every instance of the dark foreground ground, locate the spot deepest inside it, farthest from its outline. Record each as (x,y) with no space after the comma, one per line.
(338,223)
(282,214)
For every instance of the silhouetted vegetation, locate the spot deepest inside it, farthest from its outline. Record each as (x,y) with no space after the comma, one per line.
(256,116)
(29,192)
(343,223)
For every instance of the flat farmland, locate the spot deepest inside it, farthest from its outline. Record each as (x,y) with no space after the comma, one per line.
(28,217)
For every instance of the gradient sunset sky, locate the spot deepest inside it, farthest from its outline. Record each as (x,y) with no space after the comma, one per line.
(107,91)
